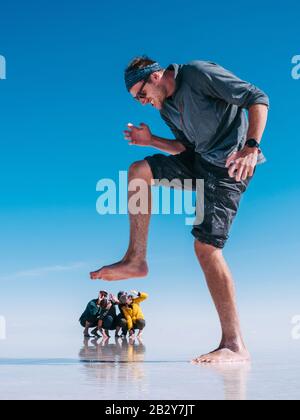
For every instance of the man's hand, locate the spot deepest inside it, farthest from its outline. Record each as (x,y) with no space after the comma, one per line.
(242,164)
(138,136)
(134,292)
(113,298)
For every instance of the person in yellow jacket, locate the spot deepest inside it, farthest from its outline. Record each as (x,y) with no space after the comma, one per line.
(130,307)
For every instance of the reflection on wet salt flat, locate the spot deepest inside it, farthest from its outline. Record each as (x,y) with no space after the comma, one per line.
(99,350)
(104,362)
(120,370)
(116,366)
(234,378)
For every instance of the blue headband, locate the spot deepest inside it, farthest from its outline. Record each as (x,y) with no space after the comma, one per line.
(134,76)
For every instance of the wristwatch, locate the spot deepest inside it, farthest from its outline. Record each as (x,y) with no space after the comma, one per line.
(252,143)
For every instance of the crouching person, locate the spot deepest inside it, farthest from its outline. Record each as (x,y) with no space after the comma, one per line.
(121,320)
(91,316)
(108,319)
(130,307)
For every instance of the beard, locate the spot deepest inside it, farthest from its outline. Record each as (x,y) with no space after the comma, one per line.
(159,97)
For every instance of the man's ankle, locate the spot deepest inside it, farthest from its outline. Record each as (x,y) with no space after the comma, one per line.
(234,345)
(135,258)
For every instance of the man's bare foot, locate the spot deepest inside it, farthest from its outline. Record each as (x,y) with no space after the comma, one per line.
(224,355)
(121,270)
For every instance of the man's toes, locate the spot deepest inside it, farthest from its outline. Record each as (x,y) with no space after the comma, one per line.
(107,274)
(199,360)
(205,359)
(96,275)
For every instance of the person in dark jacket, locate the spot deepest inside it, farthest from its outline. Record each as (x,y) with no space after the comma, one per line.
(108,319)
(91,316)
(101,315)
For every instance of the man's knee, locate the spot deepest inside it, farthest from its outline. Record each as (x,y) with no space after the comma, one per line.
(140,169)
(205,252)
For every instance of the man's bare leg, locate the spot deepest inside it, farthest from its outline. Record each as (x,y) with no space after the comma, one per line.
(134,262)
(221,286)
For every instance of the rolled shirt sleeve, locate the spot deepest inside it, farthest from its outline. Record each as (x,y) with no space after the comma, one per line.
(217,82)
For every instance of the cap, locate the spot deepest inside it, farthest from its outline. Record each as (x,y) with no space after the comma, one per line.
(121,294)
(123,299)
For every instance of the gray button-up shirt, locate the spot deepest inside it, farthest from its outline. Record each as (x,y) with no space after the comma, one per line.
(206,111)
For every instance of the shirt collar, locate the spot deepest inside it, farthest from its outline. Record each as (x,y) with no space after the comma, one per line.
(177,75)
(177,68)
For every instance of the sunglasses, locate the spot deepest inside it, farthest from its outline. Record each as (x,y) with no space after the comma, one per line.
(142,95)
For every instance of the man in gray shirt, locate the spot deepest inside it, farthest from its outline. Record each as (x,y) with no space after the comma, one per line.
(204,106)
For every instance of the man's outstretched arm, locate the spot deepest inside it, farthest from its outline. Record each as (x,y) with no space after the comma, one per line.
(142,136)
(174,147)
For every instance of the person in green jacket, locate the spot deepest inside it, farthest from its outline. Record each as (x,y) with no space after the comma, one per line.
(91,316)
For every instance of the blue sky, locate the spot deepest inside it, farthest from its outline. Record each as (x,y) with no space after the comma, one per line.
(63,107)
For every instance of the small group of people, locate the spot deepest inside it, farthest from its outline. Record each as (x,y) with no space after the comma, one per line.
(101,315)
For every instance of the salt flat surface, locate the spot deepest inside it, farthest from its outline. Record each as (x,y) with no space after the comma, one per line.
(118,371)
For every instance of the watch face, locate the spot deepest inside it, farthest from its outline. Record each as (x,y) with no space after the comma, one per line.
(252,143)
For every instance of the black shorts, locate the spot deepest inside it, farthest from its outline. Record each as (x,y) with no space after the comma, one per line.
(93,322)
(222,194)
